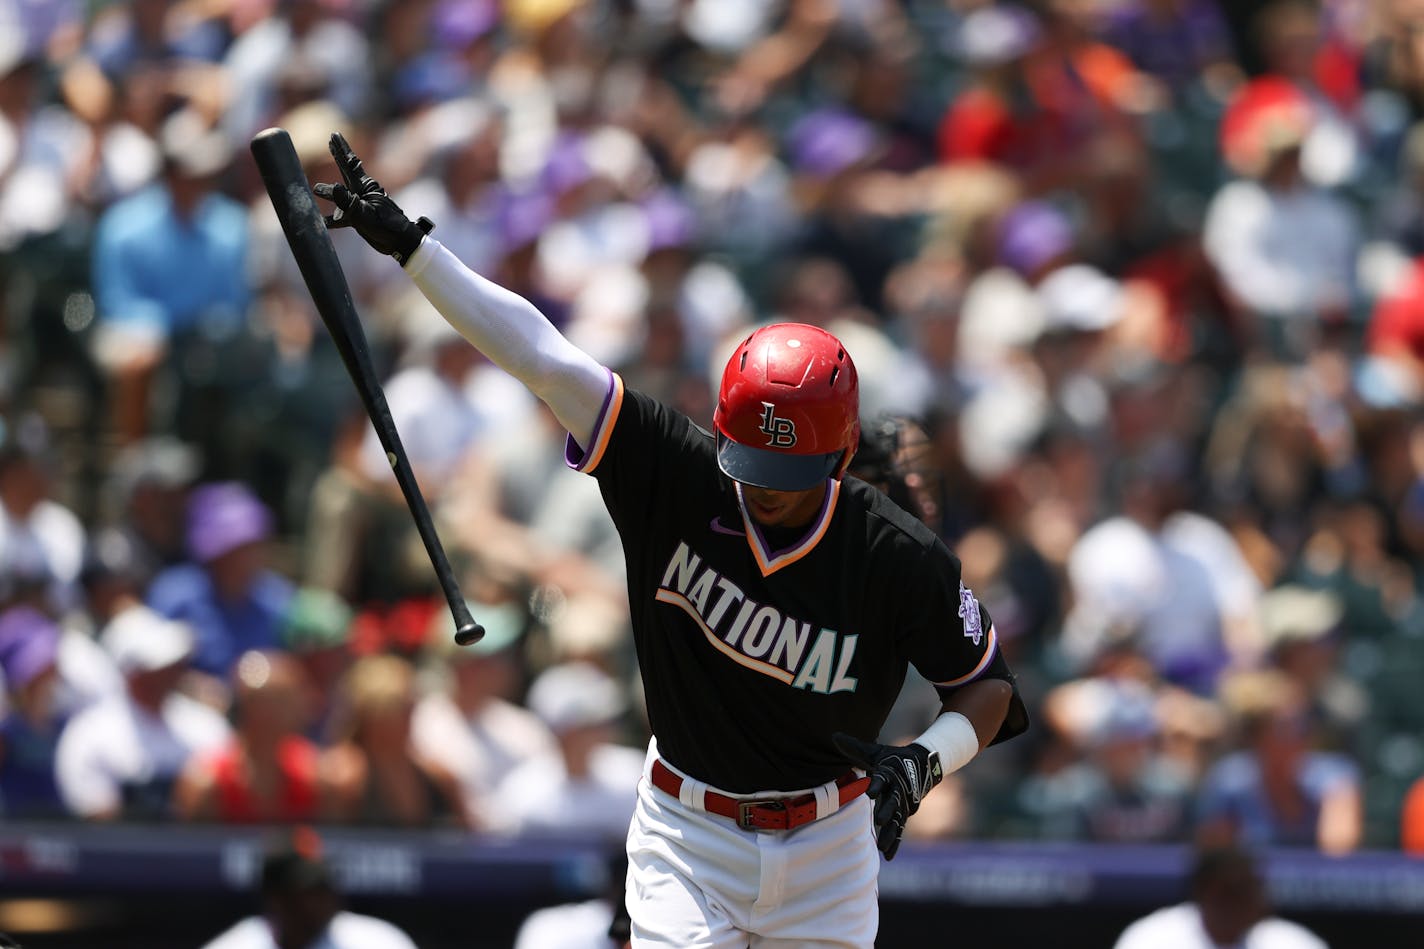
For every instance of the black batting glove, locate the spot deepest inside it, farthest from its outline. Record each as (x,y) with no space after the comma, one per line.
(900,777)
(362,204)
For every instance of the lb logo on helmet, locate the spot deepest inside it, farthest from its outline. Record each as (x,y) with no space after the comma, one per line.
(779,432)
(787,413)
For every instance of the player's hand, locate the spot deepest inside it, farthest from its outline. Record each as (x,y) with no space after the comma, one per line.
(362,204)
(900,777)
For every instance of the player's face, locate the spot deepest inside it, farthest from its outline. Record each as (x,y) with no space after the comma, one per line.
(783,508)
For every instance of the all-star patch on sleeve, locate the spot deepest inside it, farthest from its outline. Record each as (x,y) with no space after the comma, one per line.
(950,637)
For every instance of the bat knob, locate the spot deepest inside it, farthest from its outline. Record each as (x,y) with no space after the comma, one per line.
(469,634)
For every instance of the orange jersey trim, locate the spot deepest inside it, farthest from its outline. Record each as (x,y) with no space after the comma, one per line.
(603,428)
(978,670)
(767,560)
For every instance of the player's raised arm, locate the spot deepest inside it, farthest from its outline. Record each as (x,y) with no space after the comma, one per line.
(499,323)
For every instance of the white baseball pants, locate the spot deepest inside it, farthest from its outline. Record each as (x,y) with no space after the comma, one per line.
(698,881)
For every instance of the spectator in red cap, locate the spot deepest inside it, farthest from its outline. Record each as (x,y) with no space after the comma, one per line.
(1285,249)
(227,593)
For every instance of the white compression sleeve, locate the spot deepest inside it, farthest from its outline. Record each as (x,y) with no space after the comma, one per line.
(953,736)
(515,336)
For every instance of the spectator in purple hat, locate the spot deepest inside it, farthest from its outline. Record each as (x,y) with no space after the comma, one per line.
(30,726)
(693,302)
(827,142)
(233,600)
(831,152)
(1034,238)
(1181,42)
(460,24)
(521,217)
(1001,313)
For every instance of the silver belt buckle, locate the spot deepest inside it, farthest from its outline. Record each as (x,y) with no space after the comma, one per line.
(744,811)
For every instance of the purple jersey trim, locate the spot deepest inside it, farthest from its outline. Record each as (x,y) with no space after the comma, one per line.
(574,454)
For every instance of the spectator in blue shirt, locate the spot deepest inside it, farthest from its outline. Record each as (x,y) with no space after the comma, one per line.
(228,594)
(170,263)
(1277,791)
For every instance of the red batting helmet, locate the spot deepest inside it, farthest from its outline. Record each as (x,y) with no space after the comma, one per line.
(788,413)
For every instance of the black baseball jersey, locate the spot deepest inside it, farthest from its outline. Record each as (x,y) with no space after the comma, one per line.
(754,649)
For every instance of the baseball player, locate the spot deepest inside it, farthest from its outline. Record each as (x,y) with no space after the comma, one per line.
(775,605)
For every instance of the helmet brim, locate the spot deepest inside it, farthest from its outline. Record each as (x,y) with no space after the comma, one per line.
(774,470)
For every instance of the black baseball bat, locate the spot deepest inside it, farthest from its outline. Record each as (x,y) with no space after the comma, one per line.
(302,222)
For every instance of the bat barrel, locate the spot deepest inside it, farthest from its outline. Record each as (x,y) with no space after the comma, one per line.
(305,229)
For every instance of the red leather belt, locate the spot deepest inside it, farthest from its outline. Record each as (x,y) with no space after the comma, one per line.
(761,813)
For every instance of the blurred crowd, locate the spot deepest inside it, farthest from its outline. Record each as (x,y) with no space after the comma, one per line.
(1135,289)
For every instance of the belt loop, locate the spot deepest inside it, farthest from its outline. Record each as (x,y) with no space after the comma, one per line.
(692,794)
(828,800)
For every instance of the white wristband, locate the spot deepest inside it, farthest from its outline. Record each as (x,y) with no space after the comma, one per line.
(953,737)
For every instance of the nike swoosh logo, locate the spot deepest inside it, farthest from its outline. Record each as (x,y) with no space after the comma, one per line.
(719,528)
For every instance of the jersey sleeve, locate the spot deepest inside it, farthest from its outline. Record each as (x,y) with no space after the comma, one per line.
(639,449)
(948,635)
(950,638)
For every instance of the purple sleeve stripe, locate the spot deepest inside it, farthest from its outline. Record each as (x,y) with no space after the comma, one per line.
(574,454)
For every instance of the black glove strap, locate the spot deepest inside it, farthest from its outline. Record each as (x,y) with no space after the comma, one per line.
(411,238)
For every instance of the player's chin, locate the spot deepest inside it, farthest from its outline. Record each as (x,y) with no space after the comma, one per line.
(770,508)
(766,517)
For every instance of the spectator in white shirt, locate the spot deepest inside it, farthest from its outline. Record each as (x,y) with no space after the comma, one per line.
(302,910)
(41,541)
(600,923)
(437,422)
(120,757)
(473,727)
(1285,248)
(1228,910)
(1172,579)
(590,784)
(445,401)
